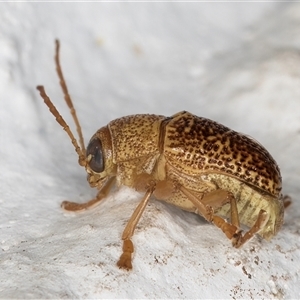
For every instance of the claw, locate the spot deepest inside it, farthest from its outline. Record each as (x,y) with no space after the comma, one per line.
(125,259)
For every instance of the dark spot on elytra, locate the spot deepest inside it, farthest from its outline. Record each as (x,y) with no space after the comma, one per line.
(227,165)
(238,163)
(212,161)
(216,147)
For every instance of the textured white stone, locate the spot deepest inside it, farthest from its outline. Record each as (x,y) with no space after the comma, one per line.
(237,63)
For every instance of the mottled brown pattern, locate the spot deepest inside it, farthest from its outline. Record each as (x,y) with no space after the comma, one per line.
(195,145)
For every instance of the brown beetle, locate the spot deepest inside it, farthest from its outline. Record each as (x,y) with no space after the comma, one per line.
(191,162)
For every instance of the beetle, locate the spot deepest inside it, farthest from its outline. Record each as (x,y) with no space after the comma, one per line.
(191,162)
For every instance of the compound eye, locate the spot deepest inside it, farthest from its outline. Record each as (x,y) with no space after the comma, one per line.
(94,150)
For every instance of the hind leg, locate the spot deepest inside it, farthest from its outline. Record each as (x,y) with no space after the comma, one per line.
(218,198)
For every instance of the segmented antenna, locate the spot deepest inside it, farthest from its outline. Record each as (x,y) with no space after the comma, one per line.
(67,97)
(80,150)
(60,120)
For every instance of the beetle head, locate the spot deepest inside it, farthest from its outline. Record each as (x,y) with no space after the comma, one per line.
(99,158)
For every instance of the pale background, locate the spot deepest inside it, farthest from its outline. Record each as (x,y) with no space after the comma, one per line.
(236,63)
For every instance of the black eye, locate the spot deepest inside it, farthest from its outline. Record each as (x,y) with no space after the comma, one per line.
(95,150)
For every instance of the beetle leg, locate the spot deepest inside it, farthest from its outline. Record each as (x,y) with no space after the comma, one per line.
(164,189)
(212,200)
(205,210)
(287,201)
(125,259)
(232,229)
(233,232)
(77,207)
(142,182)
(239,239)
(218,198)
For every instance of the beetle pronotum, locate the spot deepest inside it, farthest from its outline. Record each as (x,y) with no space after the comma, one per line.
(191,162)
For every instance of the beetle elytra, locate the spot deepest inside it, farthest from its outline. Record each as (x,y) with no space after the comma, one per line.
(191,162)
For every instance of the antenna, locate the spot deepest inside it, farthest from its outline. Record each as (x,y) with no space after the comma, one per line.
(80,150)
(67,97)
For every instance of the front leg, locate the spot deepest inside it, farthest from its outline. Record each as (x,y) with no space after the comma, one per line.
(78,207)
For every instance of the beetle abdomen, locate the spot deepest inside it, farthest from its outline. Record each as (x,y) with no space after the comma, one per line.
(249,203)
(195,146)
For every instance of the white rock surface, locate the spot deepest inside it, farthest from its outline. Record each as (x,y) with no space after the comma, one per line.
(237,63)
